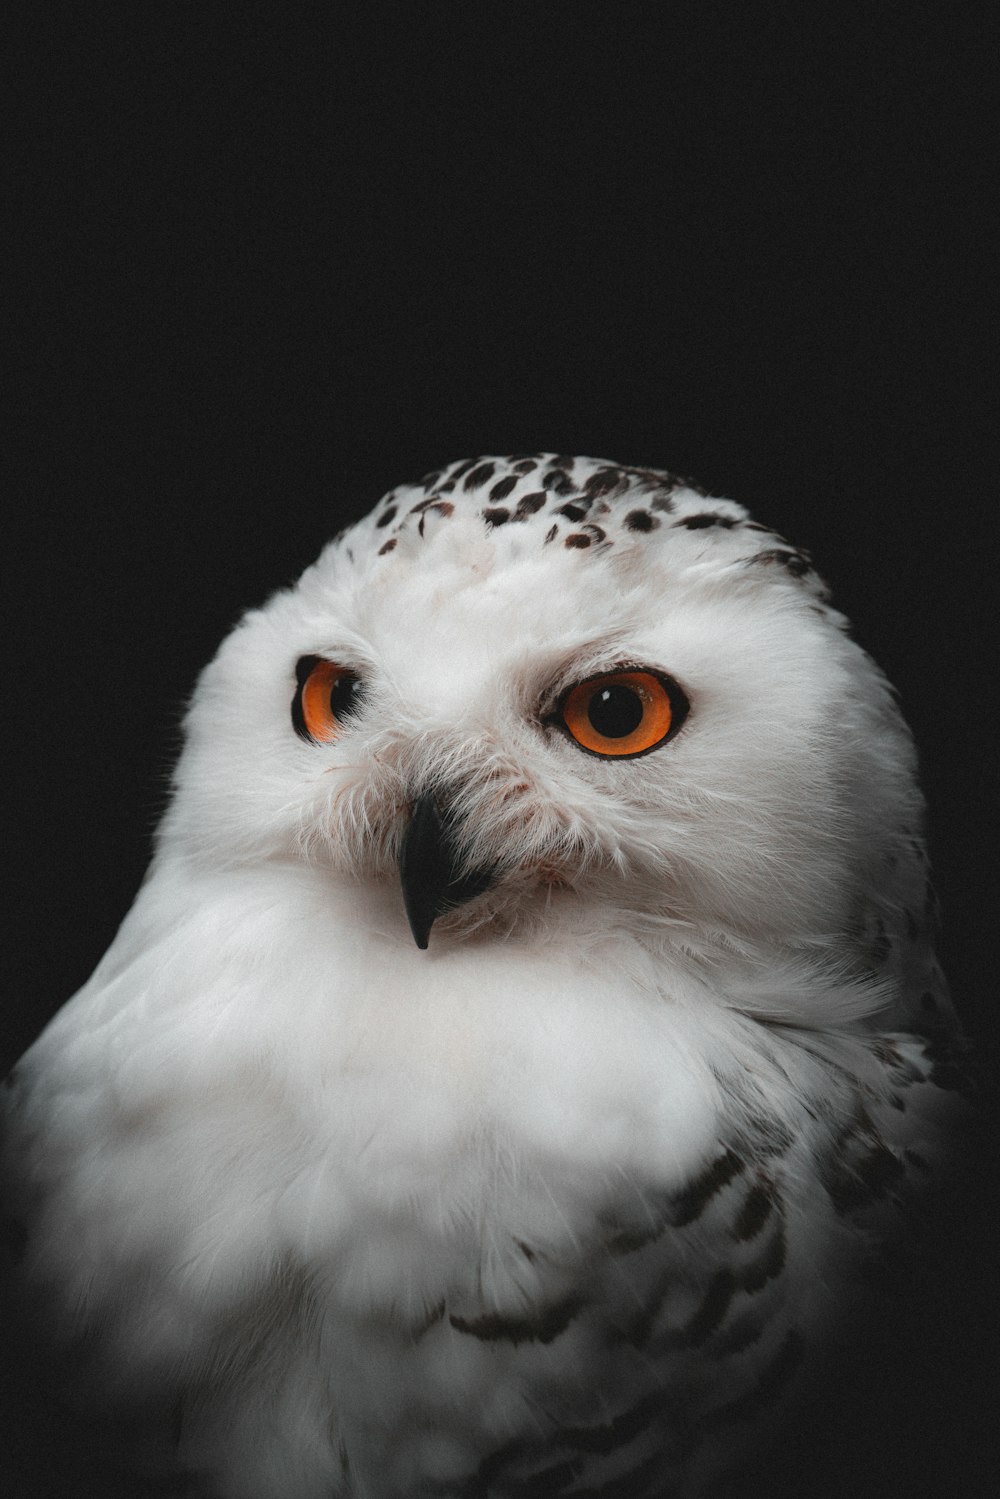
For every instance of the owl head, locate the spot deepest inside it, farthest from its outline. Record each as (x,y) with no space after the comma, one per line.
(549,694)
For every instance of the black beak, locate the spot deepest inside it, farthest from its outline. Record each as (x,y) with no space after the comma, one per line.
(428,870)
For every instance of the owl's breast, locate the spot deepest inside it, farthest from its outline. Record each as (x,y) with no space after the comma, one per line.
(459,1102)
(267,1060)
(435,1193)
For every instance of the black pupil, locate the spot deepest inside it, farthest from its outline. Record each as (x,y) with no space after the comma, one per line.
(345,695)
(616,711)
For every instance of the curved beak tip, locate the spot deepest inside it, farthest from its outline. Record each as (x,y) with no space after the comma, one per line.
(420,926)
(428,871)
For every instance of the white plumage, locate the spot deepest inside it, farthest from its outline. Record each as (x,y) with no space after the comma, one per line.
(578,1195)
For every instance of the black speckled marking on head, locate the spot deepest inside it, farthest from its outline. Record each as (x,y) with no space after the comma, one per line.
(629,502)
(706,519)
(556,481)
(479,476)
(502,488)
(641,520)
(606,481)
(530,504)
(666,483)
(387,546)
(588,535)
(574,510)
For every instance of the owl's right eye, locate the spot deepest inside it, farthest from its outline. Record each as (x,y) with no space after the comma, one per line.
(326,695)
(620,715)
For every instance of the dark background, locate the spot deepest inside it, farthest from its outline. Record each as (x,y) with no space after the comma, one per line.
(272,265)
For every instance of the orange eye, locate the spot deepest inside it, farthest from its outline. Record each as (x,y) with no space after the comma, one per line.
(623,713)
(327,695)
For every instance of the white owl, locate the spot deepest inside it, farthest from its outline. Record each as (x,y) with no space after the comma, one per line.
(528,1026)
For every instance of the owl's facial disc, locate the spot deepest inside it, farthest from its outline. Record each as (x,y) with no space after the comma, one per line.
(468,825)
(429,870)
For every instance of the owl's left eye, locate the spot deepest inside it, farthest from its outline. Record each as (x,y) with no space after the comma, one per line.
(621,714)
(327,694)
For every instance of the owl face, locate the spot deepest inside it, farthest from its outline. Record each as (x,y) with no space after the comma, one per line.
(607,696)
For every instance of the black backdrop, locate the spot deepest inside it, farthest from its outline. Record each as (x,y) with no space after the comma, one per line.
(273,264)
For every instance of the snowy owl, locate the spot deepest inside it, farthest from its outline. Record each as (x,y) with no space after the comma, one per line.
(528,1027)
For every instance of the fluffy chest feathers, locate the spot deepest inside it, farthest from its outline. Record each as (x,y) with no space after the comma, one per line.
(469,1204)
(363,1078)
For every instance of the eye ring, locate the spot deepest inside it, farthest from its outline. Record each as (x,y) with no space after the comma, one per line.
(620,715)
(326,694)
